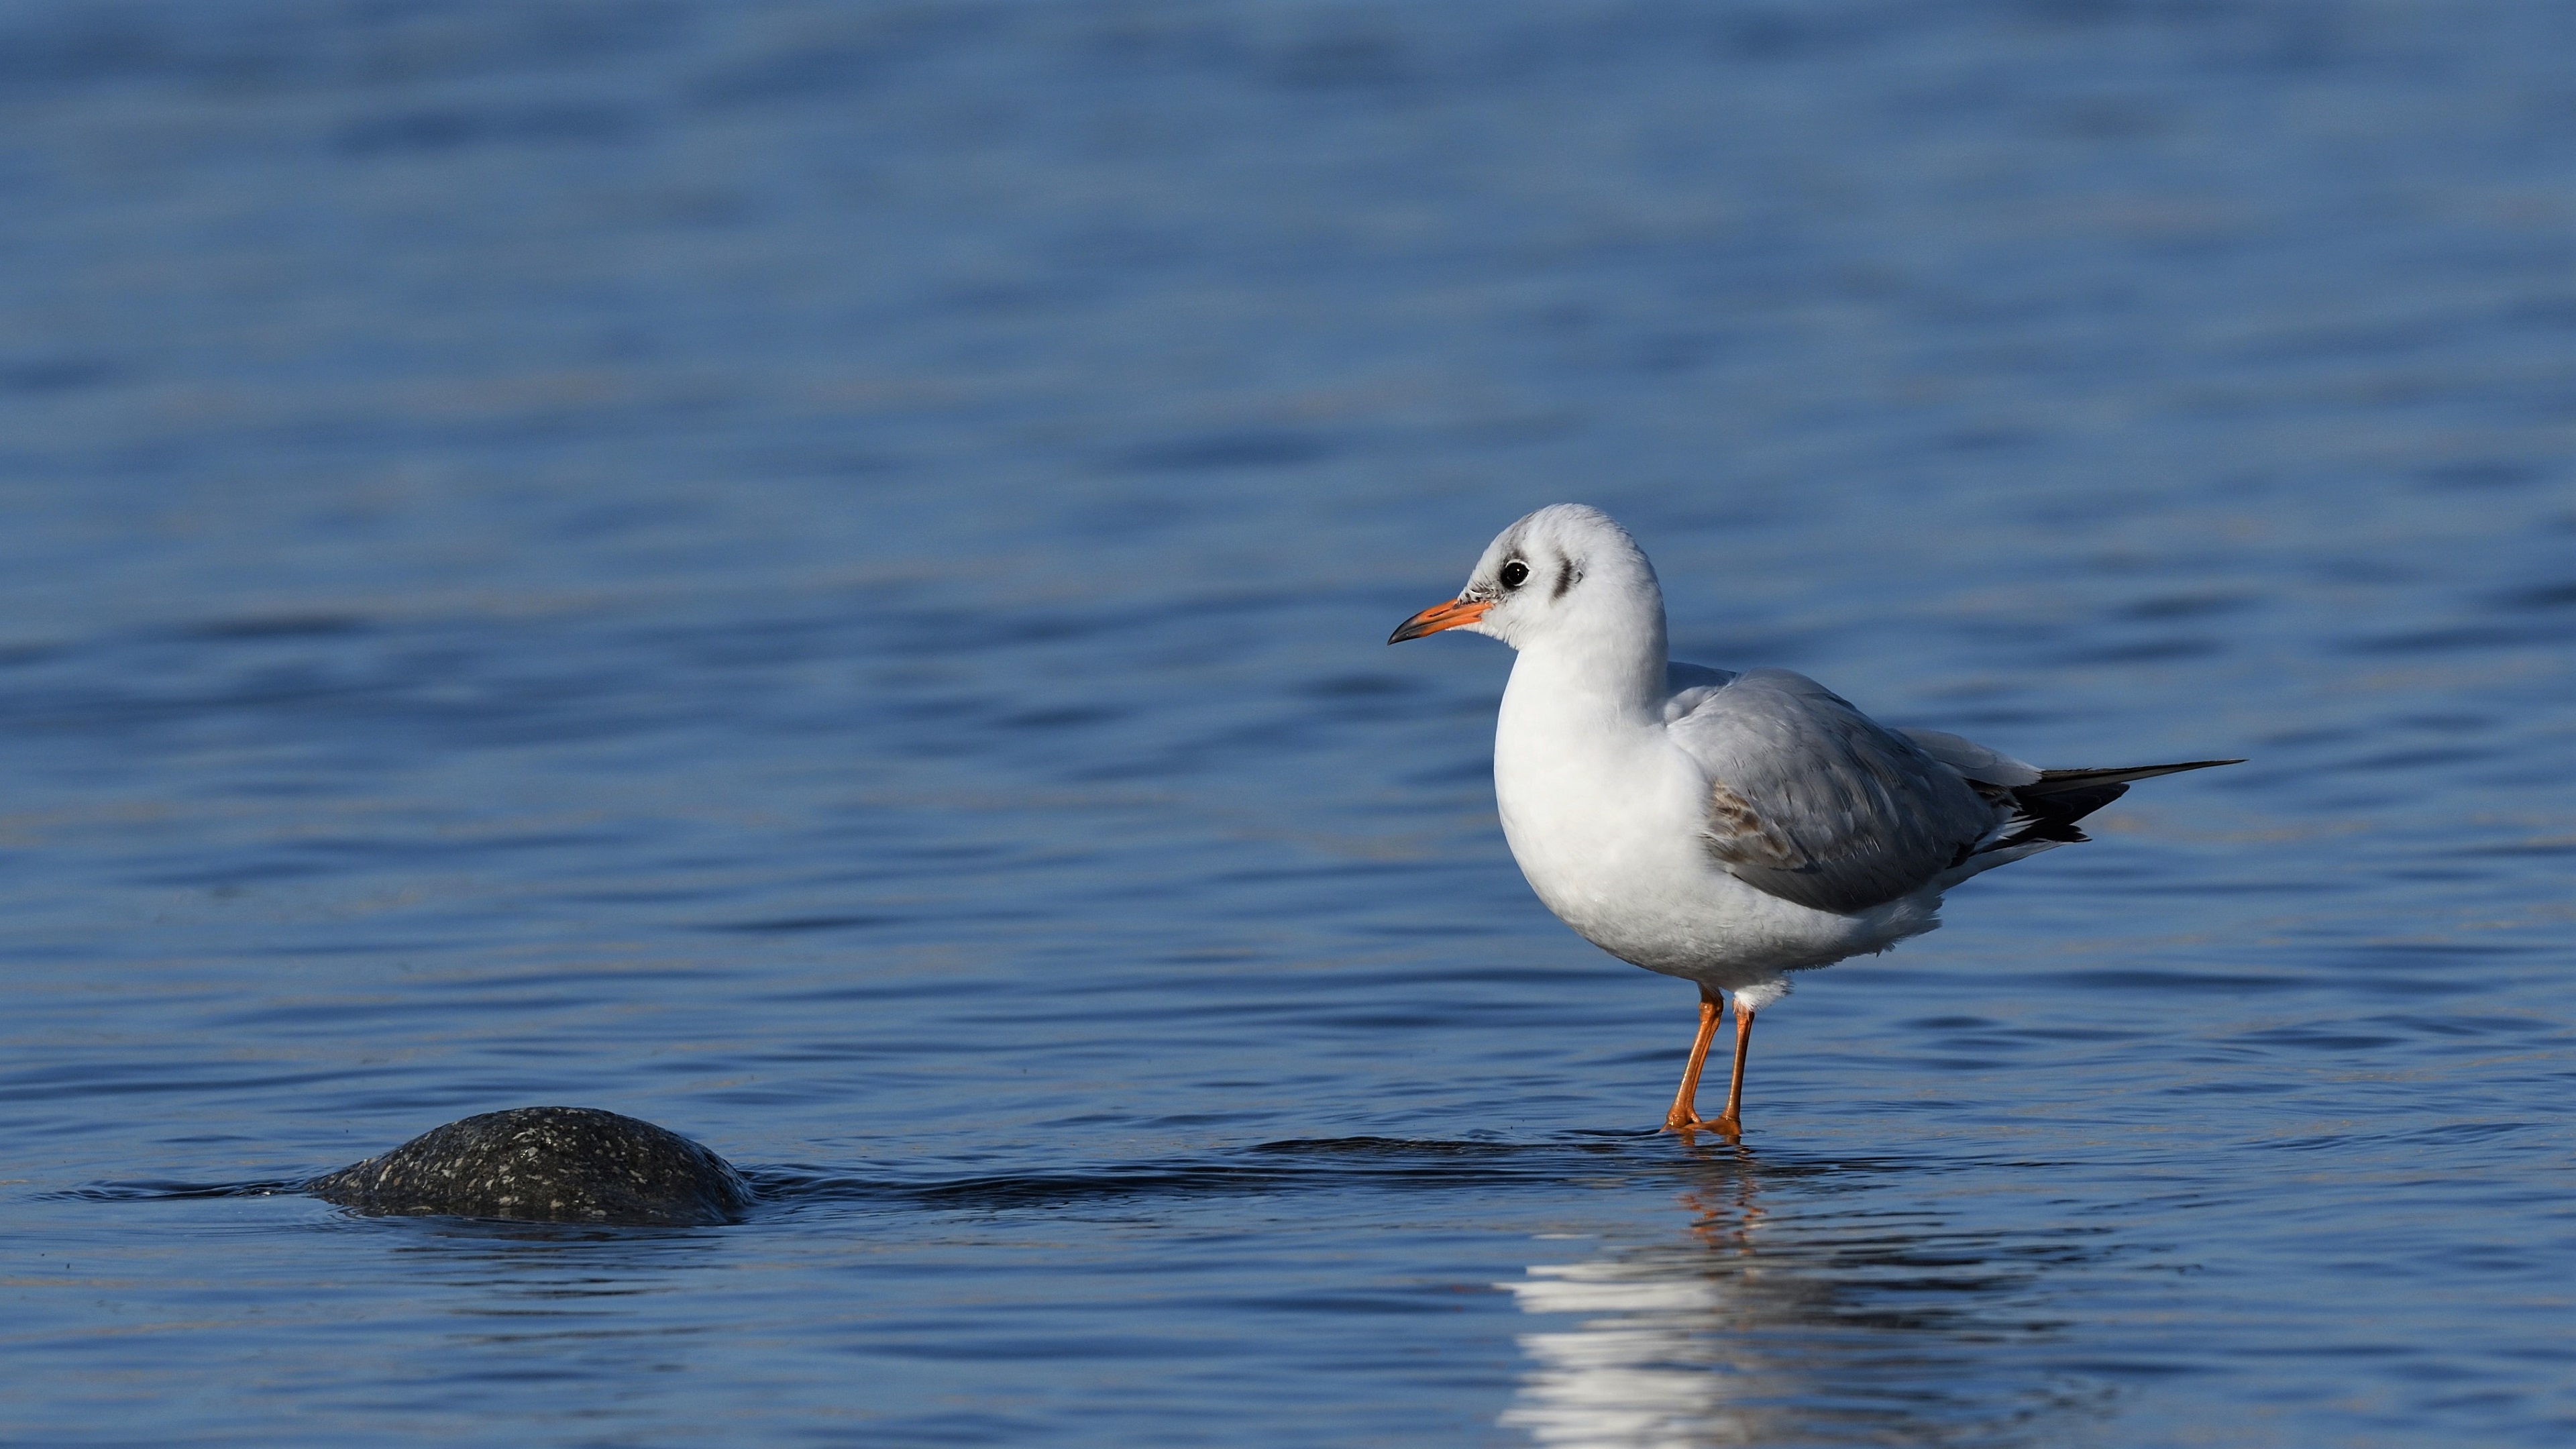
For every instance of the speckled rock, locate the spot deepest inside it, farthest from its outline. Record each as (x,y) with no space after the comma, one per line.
(545,1165)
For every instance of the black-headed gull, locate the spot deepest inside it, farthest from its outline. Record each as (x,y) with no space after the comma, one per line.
(1724,828)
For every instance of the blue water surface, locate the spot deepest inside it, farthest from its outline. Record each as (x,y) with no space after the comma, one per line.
(816,574)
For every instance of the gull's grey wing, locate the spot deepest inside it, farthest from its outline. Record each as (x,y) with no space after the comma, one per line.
(1814,802)
(1689,686)
(1986,766)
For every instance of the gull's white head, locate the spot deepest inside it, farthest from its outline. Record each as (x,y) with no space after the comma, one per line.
(1565,573)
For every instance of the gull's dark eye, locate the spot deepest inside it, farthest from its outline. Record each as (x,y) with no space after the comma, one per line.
(1515,574)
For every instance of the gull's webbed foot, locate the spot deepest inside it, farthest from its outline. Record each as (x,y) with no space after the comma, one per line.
(1726,1127)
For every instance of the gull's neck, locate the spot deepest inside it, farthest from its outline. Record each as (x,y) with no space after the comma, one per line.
(1603,668)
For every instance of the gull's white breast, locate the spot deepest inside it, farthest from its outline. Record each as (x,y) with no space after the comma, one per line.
(1606,814)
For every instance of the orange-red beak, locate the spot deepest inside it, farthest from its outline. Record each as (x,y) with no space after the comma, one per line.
(1456,613)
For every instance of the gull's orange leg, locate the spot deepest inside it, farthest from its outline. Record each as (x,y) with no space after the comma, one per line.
(1727,1121)
(1685,1113)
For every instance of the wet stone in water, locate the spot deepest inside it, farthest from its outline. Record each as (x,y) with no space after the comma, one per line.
(545,1165)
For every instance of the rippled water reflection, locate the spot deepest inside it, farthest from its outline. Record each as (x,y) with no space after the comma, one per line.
(1864,1310)
(1888,1326)
(815,573)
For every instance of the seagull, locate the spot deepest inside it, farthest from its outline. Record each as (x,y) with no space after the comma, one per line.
(1726,828)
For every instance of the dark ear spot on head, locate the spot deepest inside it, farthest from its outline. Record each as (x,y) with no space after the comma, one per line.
(1565,577)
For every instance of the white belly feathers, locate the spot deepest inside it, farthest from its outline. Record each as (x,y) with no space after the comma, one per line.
(1609,837)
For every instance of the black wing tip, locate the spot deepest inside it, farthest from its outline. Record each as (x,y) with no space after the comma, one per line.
(2123,773)
(2059,798)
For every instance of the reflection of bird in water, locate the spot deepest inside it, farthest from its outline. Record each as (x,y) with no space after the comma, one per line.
(1868,1326)
(1643,1367)
(1662,1355)
(1724,828)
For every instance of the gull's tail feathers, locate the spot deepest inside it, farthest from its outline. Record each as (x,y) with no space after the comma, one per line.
(2058,798)
(2056,781)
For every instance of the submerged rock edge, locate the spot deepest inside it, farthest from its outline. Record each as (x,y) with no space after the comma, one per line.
(576,1165)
